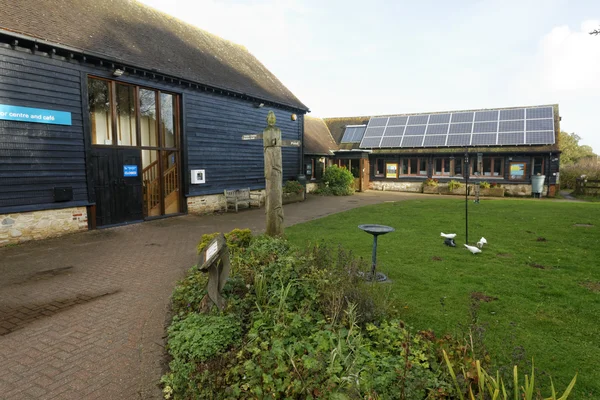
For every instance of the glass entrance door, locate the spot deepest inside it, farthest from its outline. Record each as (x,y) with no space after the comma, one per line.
(130,117)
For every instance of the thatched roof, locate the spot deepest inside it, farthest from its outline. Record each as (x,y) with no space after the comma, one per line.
(139,36)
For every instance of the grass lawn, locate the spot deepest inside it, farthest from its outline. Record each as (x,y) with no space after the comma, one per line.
(543,270)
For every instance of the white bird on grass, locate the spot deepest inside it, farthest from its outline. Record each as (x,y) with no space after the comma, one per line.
(481,242)
(448,235)
(472,249)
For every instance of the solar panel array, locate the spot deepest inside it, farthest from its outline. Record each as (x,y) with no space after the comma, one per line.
(517,126)
(353,133)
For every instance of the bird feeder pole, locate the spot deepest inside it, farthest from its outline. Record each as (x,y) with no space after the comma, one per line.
(466,172)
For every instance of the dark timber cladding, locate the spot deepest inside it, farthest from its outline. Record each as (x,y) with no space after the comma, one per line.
(35,158)
(45,63)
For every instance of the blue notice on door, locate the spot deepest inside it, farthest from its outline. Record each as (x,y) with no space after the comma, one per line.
(130,170)
(38,115)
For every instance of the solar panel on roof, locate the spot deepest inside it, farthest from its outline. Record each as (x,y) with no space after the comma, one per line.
(483,139)
(394,131)
(439,118)
(370,142)
(397,120)
(511,126)
(435,140)
(348,134)
(378,121)
(372,132)
(412,141)
(482,116)
(483,127)
(458,140)
(546,137)
(511,138)
(414,130)
(518,113)
(418,119)
(440,129)
(514,126)
(359,132)
(461,128)
(462,117)
(539,112)
(391,141)
(540,125)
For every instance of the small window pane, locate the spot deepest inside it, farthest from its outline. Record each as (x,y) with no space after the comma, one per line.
(379,165)
(126,130)
(167,118)
(422,167)
(99,104)
(403,167)
(148,117)
(487,166)
(413,166)
(538,163)
(498,166)
(458,166)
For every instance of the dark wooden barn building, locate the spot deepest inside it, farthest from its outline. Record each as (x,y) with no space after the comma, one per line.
(112,112)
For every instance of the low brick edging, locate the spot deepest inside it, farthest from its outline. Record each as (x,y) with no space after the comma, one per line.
(34,225)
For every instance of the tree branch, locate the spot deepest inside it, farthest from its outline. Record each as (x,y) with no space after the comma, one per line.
(595,32)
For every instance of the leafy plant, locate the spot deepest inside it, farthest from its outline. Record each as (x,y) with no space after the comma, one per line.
(495,388)
(431,182)
(236,239)
(293,187)
(484,185)
(336,181)
(494,185)
(453,184)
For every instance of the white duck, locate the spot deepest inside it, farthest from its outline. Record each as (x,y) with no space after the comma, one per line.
(481,242)
(448,235)
(473,249)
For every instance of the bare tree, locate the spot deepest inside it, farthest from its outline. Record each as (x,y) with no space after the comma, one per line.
(595,32)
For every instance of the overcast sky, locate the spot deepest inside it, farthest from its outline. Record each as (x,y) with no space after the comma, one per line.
(350,58)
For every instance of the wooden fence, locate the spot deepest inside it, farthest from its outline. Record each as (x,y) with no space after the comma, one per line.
(587,187)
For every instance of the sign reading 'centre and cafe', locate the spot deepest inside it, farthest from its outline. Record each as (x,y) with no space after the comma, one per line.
(37,115)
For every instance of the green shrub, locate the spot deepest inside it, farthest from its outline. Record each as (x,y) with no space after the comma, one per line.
(484,185)
(236,239)
(569,173)
(336,181)
(293,187)
(453,184)
(301,323)
(431,182)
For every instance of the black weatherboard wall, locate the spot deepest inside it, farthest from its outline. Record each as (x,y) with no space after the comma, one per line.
(35,158)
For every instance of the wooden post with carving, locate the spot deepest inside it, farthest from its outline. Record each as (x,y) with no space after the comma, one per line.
(272,144)
(214,260)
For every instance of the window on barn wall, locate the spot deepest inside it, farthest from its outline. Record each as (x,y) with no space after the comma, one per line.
(538,166)
(489,167)
(99,102)
(379,167)
(413,166)
(126,118)
(456,166)
(167,119)
(148,118)
(441,166)
(308,169)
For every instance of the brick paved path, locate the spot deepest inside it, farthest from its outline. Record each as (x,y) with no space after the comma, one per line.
(83,316)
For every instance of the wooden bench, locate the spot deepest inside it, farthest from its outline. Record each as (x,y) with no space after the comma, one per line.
(238,197)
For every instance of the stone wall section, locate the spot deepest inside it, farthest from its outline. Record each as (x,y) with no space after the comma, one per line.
(199,205)
(397,186)
(22,227)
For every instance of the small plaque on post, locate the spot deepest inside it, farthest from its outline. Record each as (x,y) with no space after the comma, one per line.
(214,259)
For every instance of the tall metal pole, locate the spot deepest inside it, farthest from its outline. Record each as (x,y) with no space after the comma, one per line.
(374,258)
(466,172)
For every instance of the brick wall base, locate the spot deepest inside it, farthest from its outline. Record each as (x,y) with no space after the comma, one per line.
(22,227)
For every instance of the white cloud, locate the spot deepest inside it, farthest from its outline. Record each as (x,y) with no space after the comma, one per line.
(571,59)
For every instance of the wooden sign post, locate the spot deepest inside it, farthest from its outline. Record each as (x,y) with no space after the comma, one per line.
(272,144)
(214,260)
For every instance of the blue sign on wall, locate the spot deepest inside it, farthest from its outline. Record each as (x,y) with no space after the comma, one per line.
(38,115)
(130,170)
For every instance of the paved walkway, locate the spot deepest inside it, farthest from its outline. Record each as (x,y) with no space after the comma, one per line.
(83,316)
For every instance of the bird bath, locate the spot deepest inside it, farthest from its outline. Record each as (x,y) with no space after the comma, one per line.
(376,230)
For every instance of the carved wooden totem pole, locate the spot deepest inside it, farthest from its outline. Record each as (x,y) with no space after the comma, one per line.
(273,177)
